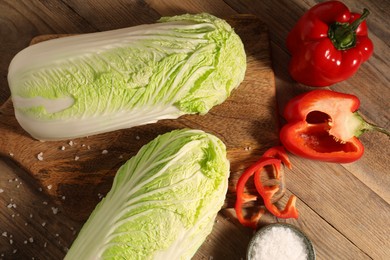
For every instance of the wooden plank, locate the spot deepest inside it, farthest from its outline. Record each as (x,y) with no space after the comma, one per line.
(343,201)
(171,7)
(31,224)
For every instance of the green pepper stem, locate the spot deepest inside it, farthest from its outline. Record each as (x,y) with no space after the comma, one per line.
(353,26)
(365,127)
(381,130)
(343,35)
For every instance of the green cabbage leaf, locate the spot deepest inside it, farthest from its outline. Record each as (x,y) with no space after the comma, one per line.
(163,201)
(99,82)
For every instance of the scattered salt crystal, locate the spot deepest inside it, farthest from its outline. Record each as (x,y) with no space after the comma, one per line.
(104,152)
(40,156)
(137,137)
(89,147)
(11,241)
(1,190)
(11,205)
(278,243)
(49,186)
(43,224)
(70,143)
(62,148)
(31,215)
(44,203)
(25,241)
(55,210)
(63,197)
(76,158)
(15,250)
(4,234)
(11,154)
(45,244)
(31,239)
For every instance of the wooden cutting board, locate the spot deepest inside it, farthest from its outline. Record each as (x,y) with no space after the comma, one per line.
(77,173)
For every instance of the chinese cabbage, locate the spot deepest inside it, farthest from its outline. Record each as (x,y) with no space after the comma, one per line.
(98,82)
(163,201)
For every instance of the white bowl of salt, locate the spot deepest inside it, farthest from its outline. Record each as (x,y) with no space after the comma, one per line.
(280,241)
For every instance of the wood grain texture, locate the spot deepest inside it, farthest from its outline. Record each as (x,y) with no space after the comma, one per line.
(344,208)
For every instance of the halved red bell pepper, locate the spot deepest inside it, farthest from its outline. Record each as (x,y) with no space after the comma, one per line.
(324,125)
(328,44)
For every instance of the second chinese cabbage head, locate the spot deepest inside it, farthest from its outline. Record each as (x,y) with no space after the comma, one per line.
(93,83)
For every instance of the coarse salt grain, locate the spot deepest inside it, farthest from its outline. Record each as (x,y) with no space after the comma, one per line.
(1,190)
(11,205)
(55,210)
(104,152)
(40,156)
(279,243)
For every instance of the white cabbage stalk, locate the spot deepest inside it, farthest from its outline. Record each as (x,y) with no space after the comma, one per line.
(163,201)
(99,82)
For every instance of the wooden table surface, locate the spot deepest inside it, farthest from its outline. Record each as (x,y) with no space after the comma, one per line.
(344,208)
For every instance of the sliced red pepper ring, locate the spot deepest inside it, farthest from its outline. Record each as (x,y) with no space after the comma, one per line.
(242,197)
(280,153)
(266,192)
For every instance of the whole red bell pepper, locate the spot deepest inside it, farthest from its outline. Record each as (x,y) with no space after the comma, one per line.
(328,44)
(324,125)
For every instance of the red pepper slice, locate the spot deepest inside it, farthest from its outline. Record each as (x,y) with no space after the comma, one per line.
(280,153)
(266,192)
(328,44)
(242,197)
(324,125)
